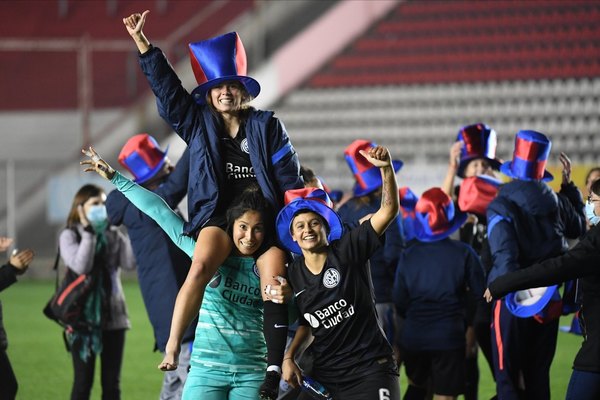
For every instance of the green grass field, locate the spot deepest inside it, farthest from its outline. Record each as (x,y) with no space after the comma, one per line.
(44,370)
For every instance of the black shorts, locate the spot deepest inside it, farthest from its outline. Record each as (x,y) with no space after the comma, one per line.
(445,368)
(380,386)
(219,221)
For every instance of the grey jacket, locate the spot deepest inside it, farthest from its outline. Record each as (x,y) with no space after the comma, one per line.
(77,252)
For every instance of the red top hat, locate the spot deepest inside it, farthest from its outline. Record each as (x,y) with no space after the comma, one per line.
(217,60)
(529,157)
(479,142)
(142,157)
(306,199)
(368,177)
(437,216)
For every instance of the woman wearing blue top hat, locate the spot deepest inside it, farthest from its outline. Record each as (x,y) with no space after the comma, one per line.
(333,291)
(366,201)
(528,223)
(431,287)
(582,261)
(232,146)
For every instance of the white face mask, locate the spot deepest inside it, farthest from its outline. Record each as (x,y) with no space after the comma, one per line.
(97,214)
(591,216)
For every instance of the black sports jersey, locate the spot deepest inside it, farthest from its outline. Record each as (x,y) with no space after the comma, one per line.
(238,168)
(339,306)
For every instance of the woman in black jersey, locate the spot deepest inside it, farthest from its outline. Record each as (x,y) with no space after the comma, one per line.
(333,291)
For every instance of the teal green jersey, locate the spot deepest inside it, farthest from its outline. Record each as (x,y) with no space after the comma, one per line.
(229,335)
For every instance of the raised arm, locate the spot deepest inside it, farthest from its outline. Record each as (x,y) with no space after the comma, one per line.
(135,25)
(448,184)
(380,157)
(146,201)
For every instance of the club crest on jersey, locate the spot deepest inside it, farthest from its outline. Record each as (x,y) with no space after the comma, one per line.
(255,269)
(216,279)
(331,278)
(244,146)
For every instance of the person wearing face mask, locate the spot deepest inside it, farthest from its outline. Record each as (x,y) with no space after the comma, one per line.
(582,261)
(90,243)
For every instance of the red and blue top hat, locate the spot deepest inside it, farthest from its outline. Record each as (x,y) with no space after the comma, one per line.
(436,215)
(306,199)
(529,302)
(217,60)
(368,176)
(408,202)
(142,157)
(480,141)
(529,157)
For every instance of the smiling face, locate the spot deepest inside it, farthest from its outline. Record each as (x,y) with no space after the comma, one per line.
(478,166)
(227,97)
(309,231)
(248,233)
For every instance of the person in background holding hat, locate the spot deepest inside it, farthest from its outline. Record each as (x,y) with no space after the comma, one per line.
(161,265)
(383,263)
(473,159)
(430,292)
(333,291)
(232,146)
(582,261)
(17,265)
(528,223)
(90,244)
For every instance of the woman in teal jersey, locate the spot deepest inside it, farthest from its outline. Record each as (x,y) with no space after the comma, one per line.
(228,357)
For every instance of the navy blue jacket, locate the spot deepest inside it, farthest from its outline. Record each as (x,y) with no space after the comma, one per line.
(161,266)
(528,222)
(8,276)
(430,292)
(384,261)
(272,155)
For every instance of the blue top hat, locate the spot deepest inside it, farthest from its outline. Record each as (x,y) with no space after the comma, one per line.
(306,199)
(436,216)
(368,176)
(529,157)
(529,302)
(217,60)
(142,157)
(408,202)
(480,141)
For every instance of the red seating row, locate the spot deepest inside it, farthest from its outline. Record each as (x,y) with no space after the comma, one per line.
(569,36)
(431,41)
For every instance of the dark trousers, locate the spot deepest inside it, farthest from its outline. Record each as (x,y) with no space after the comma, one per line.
(523,350)
(111,360)
(8,381)
(584,385)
